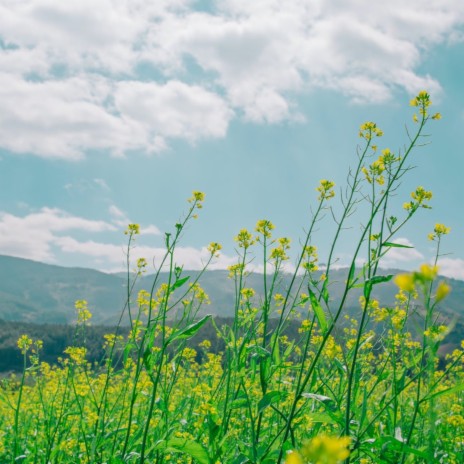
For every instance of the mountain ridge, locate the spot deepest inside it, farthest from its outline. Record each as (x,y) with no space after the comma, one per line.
(36,292)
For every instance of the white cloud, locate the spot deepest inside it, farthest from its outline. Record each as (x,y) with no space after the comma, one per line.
(33,236)
(46,234)
(70,78)
(111,257)
(150,230)
(452,267)
(399,257)
(174,109)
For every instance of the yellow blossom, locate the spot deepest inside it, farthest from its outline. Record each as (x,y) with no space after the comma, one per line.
(264,227)
(325,189)
(24,343)
(132,229)
(244,239)
(405,282)
(294,458)
(214,248)
(443,290)
(324,449)
(83,313)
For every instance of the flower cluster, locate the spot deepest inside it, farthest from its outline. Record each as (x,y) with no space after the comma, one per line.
(419,198)
(244,239)
(83,313)
(438,231)
(374,172)
(368,130)
(422,101)
(264,227)
(197,199)
(321,449)
(214,249)
(325,190)
(132,229)
(279,253)
(310,258)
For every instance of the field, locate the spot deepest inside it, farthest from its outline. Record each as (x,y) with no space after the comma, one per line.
(353,390)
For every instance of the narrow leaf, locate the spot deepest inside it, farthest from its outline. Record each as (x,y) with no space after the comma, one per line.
(271,398)
(447,391)
(351,274)
(395,245)
(190,447)
(318,311)
(178,283)
(190,330)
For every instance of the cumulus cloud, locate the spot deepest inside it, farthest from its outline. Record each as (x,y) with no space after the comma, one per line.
(44,234)
(452,267)
(34,235)
(71,79)
(399,257)
(111,257)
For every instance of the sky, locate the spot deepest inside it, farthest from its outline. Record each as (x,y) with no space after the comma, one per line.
(114,111)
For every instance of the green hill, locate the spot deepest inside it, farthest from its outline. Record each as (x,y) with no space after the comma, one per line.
(41,293)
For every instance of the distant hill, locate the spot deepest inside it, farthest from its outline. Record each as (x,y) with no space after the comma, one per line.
(35,292)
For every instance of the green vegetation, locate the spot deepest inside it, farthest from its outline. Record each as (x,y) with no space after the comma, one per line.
(341,388)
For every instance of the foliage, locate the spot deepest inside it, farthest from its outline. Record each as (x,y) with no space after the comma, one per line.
(331,393)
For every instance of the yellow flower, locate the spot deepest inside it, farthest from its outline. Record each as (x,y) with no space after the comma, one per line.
(132,229)
(247,293)
(368,129)
(294,458)
(214,248)
(324,449)
(244,239)
(264,227)
(197,196)
(405,282)
(235,269)
(83,313)
(428,272)
(325,189)
(441,229)
(24,343)
(443,290)
(436,116)
(76,354)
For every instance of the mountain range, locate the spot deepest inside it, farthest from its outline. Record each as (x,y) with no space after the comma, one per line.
(35,292)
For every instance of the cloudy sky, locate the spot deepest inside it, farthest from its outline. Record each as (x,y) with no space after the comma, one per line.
(113,111)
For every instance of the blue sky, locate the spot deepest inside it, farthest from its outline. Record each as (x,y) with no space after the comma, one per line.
(114,111)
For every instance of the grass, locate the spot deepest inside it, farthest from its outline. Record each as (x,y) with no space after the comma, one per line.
(345,390)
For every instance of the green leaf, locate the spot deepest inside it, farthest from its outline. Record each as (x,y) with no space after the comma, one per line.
(181,445)
(447,391)
(178,283)
(271,398)
(190,330)
(240,402)
(395,245)
(368,284)
(325,293)
(318,311)
(351,274)
(276,351)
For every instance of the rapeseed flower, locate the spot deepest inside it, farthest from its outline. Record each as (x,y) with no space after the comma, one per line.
(325,189)
(321,449)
